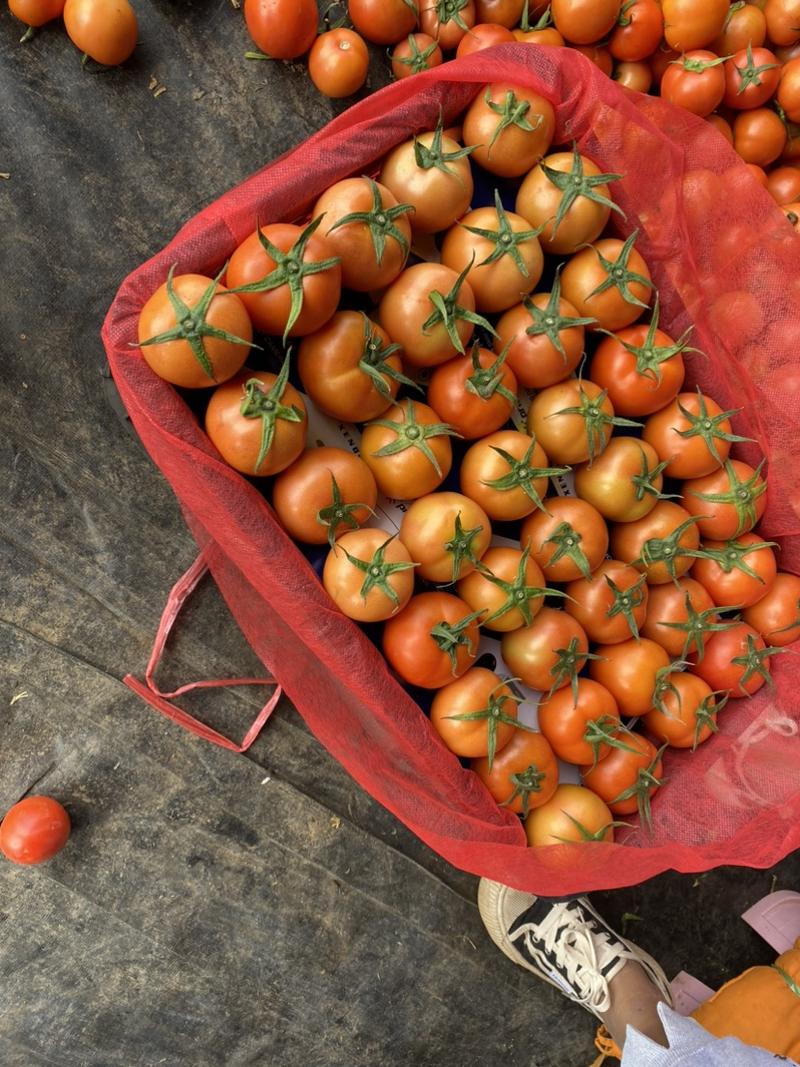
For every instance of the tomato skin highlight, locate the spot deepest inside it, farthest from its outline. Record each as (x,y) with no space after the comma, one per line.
(550,824)
(414,653)
(775,615)
(692,24)
(303,489)
(524,752)
(284,29)
(105,30)
(34,830)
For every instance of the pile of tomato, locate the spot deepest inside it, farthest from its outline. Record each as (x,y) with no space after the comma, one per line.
(737,64)
(518,458)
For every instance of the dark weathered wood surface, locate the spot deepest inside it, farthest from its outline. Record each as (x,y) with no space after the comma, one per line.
(210,909)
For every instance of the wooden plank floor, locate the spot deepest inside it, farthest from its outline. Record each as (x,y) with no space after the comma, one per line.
(211,909)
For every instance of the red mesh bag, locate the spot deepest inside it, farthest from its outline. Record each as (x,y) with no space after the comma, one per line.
(724,261)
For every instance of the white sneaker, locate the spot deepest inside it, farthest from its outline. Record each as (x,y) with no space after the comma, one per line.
(567,944)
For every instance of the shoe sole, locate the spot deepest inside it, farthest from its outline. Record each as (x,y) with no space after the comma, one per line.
(490,907)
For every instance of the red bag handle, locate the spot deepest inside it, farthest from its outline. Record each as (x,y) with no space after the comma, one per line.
(149,691)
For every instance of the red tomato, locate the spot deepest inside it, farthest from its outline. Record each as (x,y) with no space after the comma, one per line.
(693,23)
(549,653)
(580,726)
(572,814)
(104,30)
(610,281)
(284,29)
(483,35)
(729,502)
(193,332)
(783,21)
(777,615)
(408,450)
(543,337)
(663,544)
(446,534)
(502,12)
(368,230)
(635,76)
(324,493)
(638,31)
(681,616)
(307,269)
(417,53)
(34,830)
(744,26)
(475,715)
(687,712)
(627,780)
(759,137)
(624,483)
(369,575)
(512,128)
(432,641)
(599,55)
(430,334)
(508,589)
(693,435)
(350,369)
(737,573)
(724,127)
(751,78)
(788,95)
(612,605)
(524,774)
(629,670)
(696,82)
(641,367)
(446,20)
(36,12)
(585,21)
(474,393)
(736,660)
(499,252)
(783,184)
(338,63)
(507,474)
(659,62)
(383,21)
(257,421)
(568,540)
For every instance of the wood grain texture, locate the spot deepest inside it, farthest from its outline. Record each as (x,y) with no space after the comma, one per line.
(210,909)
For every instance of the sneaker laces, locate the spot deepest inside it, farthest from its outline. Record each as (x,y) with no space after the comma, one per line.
(572,942)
